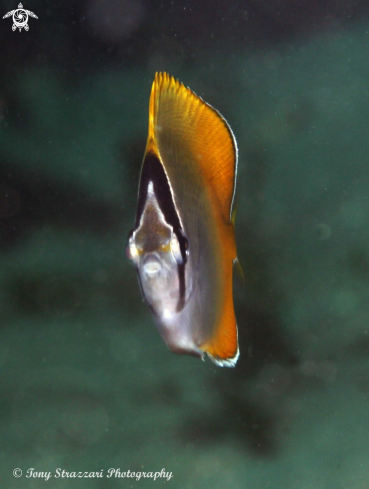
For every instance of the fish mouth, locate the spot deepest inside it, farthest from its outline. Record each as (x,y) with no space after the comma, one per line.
(151,264)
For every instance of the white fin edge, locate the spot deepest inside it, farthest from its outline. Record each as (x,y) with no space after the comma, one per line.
(228,362)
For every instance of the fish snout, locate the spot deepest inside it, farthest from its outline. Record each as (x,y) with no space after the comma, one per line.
(151,265)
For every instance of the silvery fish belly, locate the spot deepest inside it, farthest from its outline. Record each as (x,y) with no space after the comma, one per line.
(183,242)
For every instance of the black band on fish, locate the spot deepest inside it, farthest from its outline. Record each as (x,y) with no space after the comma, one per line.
(182,287)
(153,171)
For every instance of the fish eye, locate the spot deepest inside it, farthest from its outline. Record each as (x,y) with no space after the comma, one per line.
(176,249)
(179,247)
(184,247)
(132,250)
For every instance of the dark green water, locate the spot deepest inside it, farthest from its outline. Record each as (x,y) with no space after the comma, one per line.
(86,382)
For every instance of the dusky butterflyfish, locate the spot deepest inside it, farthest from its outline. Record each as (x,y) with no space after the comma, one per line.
(183,242)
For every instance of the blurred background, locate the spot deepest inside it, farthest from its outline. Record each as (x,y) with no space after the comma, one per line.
(86,382)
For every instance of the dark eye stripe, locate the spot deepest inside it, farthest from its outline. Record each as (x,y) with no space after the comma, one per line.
(153,171)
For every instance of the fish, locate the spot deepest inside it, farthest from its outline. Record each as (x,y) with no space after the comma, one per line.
(183,242)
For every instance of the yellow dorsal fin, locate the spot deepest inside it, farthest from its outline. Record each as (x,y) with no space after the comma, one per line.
(199,130)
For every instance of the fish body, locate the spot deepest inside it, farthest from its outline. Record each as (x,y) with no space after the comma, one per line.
(183,242)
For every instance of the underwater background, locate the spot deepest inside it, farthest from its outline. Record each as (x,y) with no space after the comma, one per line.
(86,382)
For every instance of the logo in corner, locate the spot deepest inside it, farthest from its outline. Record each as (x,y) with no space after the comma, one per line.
(20,18)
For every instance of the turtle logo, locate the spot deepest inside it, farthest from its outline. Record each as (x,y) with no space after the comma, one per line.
(20,18)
